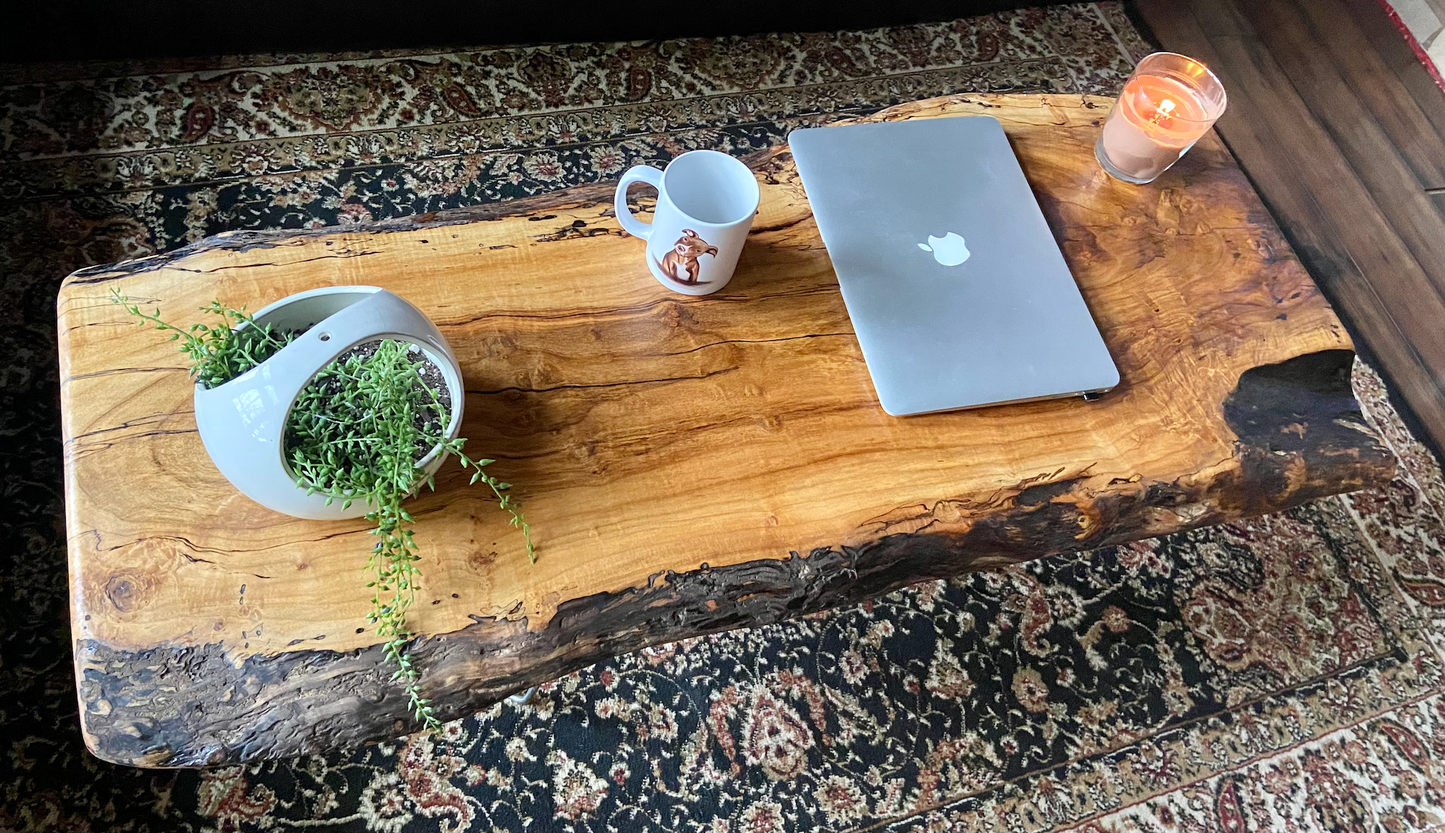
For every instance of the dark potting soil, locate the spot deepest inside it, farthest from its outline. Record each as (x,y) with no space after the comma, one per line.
(429,374)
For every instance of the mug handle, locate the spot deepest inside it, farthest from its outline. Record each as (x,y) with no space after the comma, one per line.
(630,223)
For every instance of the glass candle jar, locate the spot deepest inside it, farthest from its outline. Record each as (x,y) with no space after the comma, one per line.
(1167,104)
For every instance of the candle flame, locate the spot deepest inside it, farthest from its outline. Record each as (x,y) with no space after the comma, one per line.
(1162,112)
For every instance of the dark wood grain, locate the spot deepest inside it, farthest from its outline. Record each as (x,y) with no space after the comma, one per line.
(689,464)
(1370,20)
(1353,60)
(1382,165)
(1333,174)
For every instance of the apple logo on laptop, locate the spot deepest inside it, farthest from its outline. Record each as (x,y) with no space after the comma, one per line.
(950,250)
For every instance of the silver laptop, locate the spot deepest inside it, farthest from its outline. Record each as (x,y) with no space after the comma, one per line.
(955,285)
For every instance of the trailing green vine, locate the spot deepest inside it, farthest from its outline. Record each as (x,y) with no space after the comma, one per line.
(355,433)
(220,351)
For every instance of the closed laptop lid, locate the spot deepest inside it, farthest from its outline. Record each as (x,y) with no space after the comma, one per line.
(955,285)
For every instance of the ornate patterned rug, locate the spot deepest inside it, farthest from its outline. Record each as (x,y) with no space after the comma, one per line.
(1280,674)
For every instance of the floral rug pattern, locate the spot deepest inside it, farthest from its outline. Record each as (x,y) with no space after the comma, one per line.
(1278,674)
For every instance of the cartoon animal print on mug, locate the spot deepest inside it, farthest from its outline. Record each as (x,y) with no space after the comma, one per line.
(680,263)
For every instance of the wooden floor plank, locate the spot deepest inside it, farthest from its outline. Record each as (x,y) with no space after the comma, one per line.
(1377,86)
(1371,21)
(1285,30)
(1327,212)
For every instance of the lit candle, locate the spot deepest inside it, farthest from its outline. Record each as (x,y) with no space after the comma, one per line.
(1167,104)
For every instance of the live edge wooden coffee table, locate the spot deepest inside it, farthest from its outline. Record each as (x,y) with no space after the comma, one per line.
(689,464)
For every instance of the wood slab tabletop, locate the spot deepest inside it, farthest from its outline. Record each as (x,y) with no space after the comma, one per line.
(688,464)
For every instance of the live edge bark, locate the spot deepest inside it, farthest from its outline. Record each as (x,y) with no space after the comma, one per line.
(1300,436)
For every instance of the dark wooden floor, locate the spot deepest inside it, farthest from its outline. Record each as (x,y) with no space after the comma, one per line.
(1343,133)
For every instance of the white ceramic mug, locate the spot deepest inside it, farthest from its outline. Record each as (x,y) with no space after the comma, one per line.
(705,205)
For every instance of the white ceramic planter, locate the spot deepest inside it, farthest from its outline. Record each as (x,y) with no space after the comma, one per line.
(243,422)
